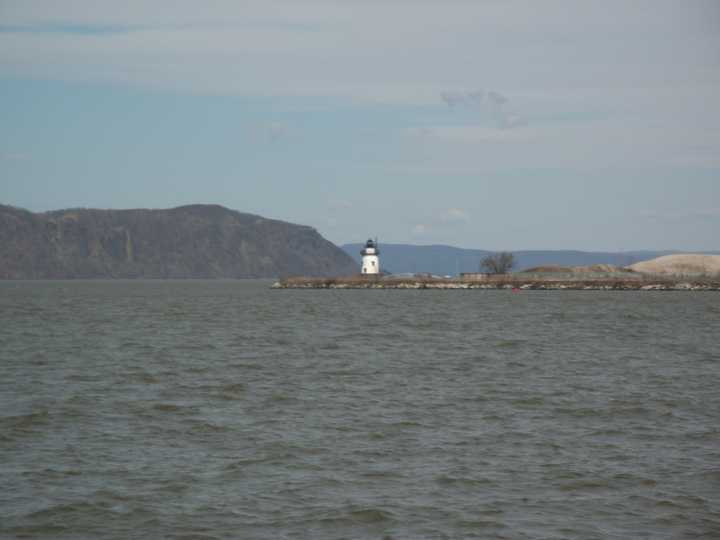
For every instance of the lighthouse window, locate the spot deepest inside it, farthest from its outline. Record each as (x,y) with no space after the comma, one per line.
(372,262)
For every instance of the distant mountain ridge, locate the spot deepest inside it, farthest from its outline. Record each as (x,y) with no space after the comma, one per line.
(195,241)
(448,260)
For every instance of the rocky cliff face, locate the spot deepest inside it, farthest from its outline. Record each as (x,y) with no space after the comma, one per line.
(197,241)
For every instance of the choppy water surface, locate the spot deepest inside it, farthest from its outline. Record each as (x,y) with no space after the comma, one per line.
(228,410)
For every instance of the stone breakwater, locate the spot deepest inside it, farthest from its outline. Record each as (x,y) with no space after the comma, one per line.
(505,282)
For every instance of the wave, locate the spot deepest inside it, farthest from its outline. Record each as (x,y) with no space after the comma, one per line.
(23,424)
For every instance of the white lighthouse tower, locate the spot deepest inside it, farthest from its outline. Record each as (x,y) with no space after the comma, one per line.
(370,259)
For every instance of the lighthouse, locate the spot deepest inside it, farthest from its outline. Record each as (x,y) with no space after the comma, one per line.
(370,259)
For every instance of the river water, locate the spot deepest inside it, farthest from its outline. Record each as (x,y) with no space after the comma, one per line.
(224,409)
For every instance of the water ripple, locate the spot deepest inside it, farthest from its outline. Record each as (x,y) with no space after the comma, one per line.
(226,410)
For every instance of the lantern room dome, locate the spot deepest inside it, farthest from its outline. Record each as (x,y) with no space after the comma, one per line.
(370,248)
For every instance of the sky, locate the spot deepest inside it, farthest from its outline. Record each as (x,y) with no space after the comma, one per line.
(490,124)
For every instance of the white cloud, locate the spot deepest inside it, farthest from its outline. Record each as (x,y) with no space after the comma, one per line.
(676,127)
(650,64)
(419,230)
(390,51)
(447,219)
(454,215)
(491,104)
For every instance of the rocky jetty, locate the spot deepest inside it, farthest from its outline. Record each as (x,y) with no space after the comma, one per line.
(196,241)
(509,282)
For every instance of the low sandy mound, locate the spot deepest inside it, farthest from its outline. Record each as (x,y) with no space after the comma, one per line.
(680,264)
(600,268)
(549,269)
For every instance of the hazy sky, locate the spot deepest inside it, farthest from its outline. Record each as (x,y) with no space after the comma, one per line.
(494,124)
